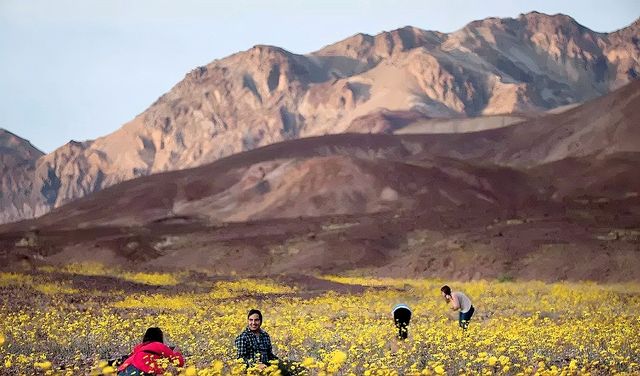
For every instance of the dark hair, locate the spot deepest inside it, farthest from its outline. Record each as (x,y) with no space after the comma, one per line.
(254,311)
(153,334)
(446,289)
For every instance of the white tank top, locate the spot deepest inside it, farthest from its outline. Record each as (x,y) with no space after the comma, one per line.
(463,300)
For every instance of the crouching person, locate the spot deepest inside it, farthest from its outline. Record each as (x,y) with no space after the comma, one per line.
(151,357)
(253,346)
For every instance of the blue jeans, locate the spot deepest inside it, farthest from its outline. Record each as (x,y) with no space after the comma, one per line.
(463,318)
(132,371)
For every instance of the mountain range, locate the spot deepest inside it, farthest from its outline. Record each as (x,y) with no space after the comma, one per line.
(489,74)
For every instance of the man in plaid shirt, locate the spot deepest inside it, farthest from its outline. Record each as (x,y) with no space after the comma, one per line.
(253,345)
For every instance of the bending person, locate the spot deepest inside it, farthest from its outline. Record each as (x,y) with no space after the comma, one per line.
(151,356)
(401,317)
(458,301)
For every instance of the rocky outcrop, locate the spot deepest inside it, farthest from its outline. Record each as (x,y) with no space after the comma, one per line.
(17,166)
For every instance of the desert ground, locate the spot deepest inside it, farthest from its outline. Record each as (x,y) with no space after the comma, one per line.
(74,319)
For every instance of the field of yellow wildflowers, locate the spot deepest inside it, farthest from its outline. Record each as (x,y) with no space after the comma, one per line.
(71,321)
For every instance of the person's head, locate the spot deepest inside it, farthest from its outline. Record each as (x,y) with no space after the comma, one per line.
(153,335)
(446,292)
(254,320)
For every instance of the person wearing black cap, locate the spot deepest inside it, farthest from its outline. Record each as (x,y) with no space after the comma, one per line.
(401,318)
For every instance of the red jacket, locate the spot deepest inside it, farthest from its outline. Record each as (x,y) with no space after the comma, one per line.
(145,357)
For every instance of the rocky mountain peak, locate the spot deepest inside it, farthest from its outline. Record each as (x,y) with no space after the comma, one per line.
(350,47)
(10,144)
(268,50)
(406,38)
(630,32)
(551,23)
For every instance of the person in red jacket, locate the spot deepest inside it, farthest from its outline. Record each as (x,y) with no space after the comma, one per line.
(151,356)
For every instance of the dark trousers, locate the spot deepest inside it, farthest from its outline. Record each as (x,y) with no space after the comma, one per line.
(463,318)
(132,371)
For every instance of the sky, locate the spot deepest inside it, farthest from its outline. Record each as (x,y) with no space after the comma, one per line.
(80,69)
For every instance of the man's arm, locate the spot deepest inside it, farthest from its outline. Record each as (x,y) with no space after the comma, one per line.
(242,349)
(270,353)
(455,304)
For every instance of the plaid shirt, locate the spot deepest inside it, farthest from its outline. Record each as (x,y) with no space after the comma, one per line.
(250,346)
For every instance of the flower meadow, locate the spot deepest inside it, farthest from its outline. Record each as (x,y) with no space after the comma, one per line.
(71,321)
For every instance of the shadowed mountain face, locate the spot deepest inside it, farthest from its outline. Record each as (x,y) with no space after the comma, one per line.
(364,83)
(556,197)
(601,127)
(17,165)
